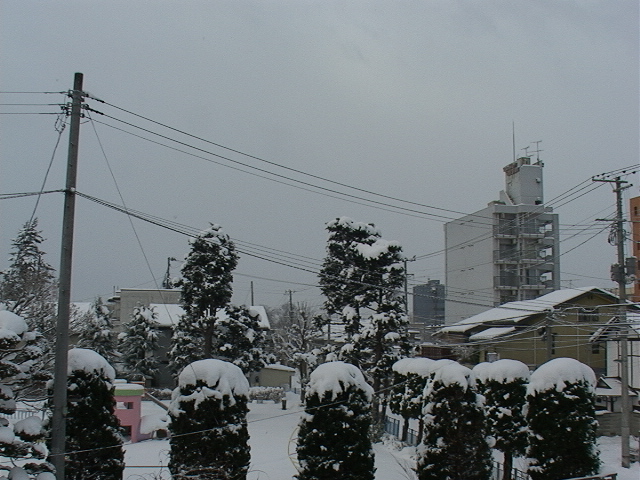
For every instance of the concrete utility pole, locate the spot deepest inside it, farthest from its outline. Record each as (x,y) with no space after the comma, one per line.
(58,421)
(620,273)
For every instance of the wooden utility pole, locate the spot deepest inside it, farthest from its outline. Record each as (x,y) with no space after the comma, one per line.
(549,318)
(58,421)
(620,274)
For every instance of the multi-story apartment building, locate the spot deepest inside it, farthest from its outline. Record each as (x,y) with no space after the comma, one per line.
(505,252)
(428,303)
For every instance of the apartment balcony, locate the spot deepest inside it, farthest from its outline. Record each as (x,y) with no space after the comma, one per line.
(505,256)
(505,231)
(506,281)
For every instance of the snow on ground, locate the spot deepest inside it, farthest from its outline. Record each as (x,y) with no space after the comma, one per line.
(273,435)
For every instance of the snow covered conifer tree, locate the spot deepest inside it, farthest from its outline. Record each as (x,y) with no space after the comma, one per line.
(187,345)
(409,379)
(24,440)
(333,441)
(28,285)
(361,271)
(96,333)
(455,444)
(504,386)
(91,422)
(562,421)
(27,288)
(343,278)
(209,422)
(207,275)
(138,343)
(240,340)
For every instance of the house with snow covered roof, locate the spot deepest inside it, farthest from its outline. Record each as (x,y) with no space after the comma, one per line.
(559,324)
(166,304)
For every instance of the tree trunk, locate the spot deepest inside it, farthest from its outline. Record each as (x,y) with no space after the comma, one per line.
(208,336)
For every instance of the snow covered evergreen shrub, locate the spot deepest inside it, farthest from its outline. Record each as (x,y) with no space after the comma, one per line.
(409,379)
(24,440)
(94,435)
(139,342)
(333,441)
(454,445)
(562,421)
(209,422)
(504,386)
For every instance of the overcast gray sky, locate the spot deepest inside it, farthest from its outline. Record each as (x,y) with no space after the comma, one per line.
(408,99)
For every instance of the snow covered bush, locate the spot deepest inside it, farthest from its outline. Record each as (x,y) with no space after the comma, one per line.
(562,421)
(276,394)
(94,435)
(333,441)
(139,343)
(409,379)
(24,440)
(504,386)
(208,414)
(455,444)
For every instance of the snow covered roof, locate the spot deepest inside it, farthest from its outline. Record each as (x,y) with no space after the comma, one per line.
(515,312)
(612,387)
(492,333)
(283,368)
(168,314)
(263,318)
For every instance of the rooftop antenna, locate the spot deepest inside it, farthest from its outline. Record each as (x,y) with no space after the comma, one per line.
(513,138)
(526,150)
(537,150)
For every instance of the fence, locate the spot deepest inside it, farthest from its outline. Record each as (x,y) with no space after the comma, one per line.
(393,426)
(21,414)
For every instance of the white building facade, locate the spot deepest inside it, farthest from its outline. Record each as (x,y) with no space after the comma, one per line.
(505,252)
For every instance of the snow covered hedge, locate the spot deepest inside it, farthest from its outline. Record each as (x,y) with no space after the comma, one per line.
(333,441)
(562,421)
(455,444)
(208,414)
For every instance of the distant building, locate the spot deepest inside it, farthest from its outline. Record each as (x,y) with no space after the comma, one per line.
(428,303)
(505,252)
(634,214)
